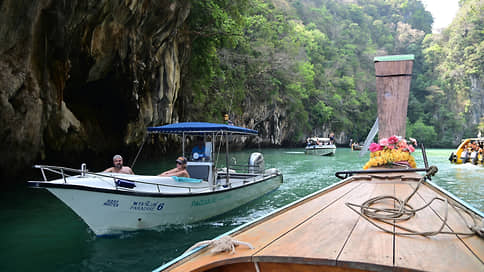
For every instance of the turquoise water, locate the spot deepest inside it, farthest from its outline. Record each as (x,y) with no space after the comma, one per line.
(38,232)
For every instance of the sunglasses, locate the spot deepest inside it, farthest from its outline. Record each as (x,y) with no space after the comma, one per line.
(178,163)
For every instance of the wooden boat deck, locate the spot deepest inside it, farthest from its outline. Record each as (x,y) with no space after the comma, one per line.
(322,233)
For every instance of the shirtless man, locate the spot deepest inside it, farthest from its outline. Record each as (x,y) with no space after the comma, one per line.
(179,171)
(118,166)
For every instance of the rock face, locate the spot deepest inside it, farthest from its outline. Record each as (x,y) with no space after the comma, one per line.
(80,78)
(477,100)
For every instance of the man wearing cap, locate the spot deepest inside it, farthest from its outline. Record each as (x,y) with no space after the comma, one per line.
(118,166)
(179,171)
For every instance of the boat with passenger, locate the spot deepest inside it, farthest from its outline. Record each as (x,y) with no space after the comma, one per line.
(470,151)
(319,146)
(110,203)
(386,217)
(355,145)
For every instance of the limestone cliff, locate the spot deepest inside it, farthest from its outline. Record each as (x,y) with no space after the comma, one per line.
(80,78)
(477,100)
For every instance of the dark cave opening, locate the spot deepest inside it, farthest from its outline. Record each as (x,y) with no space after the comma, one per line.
(104,107)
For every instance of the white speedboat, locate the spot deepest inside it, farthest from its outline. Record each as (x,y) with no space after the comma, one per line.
(110,203)
(320,146)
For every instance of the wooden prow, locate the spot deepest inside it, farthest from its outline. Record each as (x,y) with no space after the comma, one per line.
(393,77)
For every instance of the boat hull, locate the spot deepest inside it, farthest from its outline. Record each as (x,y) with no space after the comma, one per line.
(321,233)
(321,151)
(113,212)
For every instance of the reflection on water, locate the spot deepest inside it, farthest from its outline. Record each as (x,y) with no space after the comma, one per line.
(37,225)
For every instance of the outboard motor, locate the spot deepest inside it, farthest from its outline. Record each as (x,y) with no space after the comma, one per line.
(256,163)
(453,157)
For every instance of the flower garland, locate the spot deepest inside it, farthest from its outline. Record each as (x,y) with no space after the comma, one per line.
(391,150)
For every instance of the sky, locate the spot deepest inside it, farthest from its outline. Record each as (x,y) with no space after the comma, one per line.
(443,12)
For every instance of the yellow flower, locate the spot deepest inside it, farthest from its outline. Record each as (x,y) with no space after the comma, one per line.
(383,157)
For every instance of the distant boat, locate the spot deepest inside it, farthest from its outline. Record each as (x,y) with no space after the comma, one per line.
(355,146)
(320,146)
(373,220)
(470,151)
(110,203)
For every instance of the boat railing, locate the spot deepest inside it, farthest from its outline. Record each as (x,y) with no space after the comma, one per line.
(249,169)
(64,173)
(247,176)
(346,174)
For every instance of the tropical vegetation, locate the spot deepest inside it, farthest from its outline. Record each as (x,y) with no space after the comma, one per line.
(314,60)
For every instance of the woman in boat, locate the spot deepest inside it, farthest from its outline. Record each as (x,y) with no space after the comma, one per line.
(179,171)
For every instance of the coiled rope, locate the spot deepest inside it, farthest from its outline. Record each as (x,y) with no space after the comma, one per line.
(404,211)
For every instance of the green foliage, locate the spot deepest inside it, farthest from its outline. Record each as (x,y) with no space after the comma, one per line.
(453,60)
(421,132)
(312,60)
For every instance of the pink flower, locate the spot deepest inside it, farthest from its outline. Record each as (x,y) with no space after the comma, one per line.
(411,148)
(384,142)
(375,147)
(402,144)
(393,140)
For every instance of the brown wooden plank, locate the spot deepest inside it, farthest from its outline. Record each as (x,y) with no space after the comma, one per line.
(275,227)
(367,244)
(436,253)
(454,221)
(239,267)
(392,96)
(262,234)
(289,267)
(323,236)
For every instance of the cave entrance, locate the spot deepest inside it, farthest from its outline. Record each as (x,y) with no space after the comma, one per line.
(104,107)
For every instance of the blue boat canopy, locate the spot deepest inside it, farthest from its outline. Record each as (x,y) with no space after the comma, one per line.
(198,128)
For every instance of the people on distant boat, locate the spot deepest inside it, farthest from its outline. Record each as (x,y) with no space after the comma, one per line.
(481,154)
(355,146)
(473,152)
(331,138)
(118,166)
(179,171)
(464,155)
(311,141)
(198,151)
(227,120)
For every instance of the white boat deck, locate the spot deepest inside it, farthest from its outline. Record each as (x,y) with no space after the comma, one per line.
(146,184)
(154,184)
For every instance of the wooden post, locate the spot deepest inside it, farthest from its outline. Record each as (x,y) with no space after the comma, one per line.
(393,77)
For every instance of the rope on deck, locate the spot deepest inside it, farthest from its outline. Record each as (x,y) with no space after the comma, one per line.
(225,243)
(404,211)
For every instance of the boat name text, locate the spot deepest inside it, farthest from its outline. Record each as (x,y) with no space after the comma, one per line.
(111,202)
(207,201)
(147,206)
